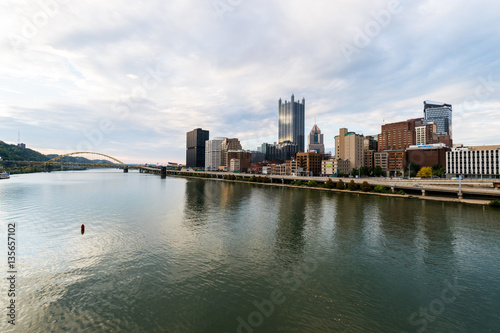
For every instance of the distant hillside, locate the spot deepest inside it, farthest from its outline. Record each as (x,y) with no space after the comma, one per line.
(15,153)
(78,159)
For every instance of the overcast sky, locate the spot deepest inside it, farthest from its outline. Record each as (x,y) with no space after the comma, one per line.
(130,79)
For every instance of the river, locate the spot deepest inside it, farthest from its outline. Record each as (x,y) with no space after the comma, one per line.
(194,255)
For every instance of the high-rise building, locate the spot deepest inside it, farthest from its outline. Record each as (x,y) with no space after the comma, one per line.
(370,146)
(292,122)
(349,146)
(315,142)
(213,154)
(441,114)
(195,144)
(226,146)
(426,134)
(397,136)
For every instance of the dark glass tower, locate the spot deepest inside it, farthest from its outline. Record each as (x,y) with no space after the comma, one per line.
(440,113)
(195,152)
(292,123)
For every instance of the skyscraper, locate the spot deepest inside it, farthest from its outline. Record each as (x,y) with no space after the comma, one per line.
(440,113)
(349,146)
(195,148)
(315,142)
(213,154)
(291,122)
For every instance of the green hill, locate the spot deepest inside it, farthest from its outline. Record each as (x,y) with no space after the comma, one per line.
(78,159)
(14,153)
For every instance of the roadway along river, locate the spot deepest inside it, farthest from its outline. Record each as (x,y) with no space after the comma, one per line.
(193,255)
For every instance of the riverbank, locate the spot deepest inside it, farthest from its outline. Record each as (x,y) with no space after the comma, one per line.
(395,195)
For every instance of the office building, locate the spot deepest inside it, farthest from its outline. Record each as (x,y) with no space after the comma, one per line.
(439,113)
(427,155)
(226,146)
(258,156)
(292,122)
(368,158)
(370,146)
(279,152)
(370,142)
(445,139)
(335,167)
(244,158)
(234,165)
(195,148)
(213,154)
(310,163)
(396,162)
(315,141)
(349,146)
(380,159)
(426,134)
(291,167)
(474,162)
(395,136)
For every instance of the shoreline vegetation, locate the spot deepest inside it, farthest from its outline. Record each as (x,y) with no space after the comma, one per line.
(338,186)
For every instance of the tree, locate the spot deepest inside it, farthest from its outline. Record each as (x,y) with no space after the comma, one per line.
(414,168)
(366,171)
(312,183)
(365,187)
(438,170)
(352,186)
(340,185)
(329,184)
(425,172)
(380,189)
(378,171)
(340,174)
(354,172)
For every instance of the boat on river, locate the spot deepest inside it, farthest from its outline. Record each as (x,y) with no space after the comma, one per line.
(4,175)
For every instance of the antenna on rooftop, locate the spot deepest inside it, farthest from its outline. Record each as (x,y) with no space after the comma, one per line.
(18,136)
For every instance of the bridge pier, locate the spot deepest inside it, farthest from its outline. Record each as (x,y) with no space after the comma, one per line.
(423,193)
(163,172)
(125,169)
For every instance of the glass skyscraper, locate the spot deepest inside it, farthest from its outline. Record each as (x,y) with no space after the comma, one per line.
(292,122)
(440,113)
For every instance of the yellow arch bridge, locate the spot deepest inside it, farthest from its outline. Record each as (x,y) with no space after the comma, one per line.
(119,164)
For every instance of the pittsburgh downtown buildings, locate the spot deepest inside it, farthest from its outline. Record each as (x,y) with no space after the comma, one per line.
(424,141)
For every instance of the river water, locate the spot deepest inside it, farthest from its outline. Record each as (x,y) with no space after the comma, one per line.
(192,255)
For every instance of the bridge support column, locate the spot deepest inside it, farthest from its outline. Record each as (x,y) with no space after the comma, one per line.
(163,172)
(125,169)
(460,196)
(392,188)
(423,193)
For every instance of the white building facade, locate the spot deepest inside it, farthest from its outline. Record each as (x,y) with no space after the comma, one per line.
(474,162)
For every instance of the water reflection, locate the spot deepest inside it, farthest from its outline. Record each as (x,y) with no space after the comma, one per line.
(290,226)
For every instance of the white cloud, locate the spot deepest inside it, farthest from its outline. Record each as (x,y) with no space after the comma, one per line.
(93,61)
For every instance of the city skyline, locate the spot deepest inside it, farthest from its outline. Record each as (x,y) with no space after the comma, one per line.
(130,81)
